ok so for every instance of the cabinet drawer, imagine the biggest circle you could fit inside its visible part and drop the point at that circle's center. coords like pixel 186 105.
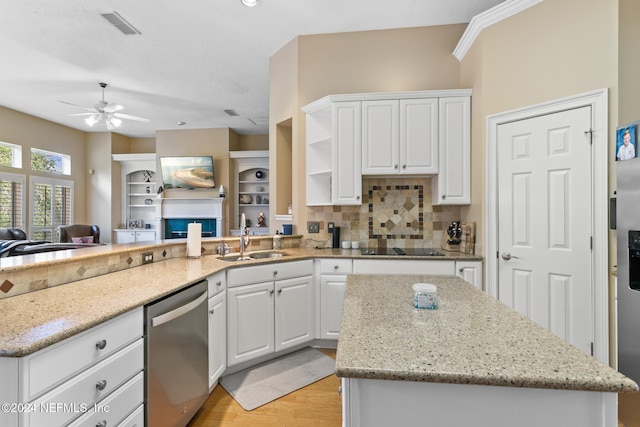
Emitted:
pixel 385 266
pixel 124 402
pixel 268 272
pixel 48 367
pixel 136 419
pixel 335 266
pixel 217 283
pixel 82 392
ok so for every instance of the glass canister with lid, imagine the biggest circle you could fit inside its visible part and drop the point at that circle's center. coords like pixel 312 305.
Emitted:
pixel 425 296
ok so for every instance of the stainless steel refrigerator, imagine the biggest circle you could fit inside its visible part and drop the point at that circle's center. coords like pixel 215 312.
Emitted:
pixel 627 226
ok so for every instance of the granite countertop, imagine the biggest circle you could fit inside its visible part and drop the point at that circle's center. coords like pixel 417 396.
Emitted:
pixel 471 338
pixel 35 320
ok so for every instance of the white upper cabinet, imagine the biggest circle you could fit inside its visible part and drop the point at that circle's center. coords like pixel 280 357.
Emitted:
pixel 452 186
pixel 334 153
pixel 400 137
pixel 385 134
pixel 380 137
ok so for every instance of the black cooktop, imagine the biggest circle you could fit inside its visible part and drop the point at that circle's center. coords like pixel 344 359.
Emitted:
pixel 402 251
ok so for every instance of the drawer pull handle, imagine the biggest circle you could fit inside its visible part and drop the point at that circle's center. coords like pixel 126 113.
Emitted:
pixel 102 423
pixel 275 273
pixel 335 267
pixel 279 291
pixel 271 292
pixel 212 311
pixel 100 345
pixel 100 385
pixel 218 283
pixel 461 270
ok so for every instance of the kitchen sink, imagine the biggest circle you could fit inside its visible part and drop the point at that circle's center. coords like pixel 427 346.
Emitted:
pixel 266 254
pixel 253 255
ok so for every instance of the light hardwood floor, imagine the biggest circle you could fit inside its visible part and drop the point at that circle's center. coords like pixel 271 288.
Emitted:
pixel 317 405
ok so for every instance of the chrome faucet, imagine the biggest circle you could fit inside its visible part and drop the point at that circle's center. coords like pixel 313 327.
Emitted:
pixel 244 235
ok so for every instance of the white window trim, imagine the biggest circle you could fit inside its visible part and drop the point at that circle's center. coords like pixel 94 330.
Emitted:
pixel 16 157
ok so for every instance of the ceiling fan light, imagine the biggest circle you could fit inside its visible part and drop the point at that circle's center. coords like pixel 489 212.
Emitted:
pixel 115 121
pixel 250 3
pixel 92 120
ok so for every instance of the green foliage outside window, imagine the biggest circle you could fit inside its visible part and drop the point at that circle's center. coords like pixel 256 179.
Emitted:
pixel 43 162
pixel 6 155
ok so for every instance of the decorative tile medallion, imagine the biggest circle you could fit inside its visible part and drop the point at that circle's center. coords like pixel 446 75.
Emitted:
pixel 6 286
pixel 398 213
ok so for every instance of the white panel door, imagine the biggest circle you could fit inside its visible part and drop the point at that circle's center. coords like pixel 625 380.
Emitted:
pixel 380 137
pixel 217 336
pixel 346 185
pixel 419 136
pixel 294 312
pixel 544 208
pixel 250 322
pixel 331 304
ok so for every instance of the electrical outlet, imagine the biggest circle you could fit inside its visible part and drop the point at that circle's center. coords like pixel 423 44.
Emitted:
pixel 330 226
pixel 147 257
pixel 313 227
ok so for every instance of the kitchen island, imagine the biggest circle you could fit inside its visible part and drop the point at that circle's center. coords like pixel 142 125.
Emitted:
pixel 472 361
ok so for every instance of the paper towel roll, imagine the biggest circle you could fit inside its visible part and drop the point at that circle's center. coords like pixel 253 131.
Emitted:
pixel 194 240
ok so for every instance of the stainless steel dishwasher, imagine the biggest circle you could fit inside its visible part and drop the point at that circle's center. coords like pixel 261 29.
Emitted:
pixel 176 357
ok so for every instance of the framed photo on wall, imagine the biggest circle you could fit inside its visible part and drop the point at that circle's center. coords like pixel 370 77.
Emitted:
pixel 626 144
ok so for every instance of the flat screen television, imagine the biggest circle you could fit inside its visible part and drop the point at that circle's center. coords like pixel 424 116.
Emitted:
pixel 189 172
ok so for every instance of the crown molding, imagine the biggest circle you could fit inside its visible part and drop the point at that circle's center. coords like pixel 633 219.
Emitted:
pixel 486 19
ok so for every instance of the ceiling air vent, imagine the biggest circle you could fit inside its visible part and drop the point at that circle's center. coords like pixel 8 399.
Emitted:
pixel 120 23
pixel 232 113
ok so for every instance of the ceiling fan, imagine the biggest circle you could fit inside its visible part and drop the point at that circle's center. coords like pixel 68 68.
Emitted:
pixel 106 112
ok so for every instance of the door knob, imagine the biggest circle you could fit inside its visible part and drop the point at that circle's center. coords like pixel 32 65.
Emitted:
pixel 507 256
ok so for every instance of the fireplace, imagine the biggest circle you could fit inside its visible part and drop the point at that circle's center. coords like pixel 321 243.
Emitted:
pixel 177 213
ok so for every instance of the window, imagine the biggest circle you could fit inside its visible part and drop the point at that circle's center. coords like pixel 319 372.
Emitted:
pixel 11 200
pixel 10 155
pixel 51 207
pixel 48 161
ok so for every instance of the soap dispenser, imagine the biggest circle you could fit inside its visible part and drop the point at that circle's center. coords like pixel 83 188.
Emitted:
pixel 277 240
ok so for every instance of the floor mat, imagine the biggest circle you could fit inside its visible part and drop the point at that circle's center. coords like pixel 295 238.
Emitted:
pixel 261 384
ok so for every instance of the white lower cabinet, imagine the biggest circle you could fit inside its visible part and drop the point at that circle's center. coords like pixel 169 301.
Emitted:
pixel 273 313
pixel 471 271
pixel 217 337
pixel 130 236
pixel 78 377
pixel 333 278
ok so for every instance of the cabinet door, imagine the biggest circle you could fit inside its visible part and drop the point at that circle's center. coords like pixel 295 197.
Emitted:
pixel 331 305
pixel 452 184
pixel 250 322
pixel 380 137
pixel 145 236
pixel 217 337
pixel 471 271
pixel 294 312
pixel 346 177
pixel 125 236
pixel 419 136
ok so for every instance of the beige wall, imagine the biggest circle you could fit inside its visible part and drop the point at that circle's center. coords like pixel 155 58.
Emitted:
pixel 200 142
pixel 32 132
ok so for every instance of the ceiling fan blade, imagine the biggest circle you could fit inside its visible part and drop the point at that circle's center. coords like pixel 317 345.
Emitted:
pixel 112 108
pixel 129 117
pixel 79 106
pixel 83 114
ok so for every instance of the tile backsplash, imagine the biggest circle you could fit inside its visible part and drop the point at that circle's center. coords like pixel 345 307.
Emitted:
pixel 395 212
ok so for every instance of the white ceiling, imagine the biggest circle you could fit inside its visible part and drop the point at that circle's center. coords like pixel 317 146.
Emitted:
pixel 193 59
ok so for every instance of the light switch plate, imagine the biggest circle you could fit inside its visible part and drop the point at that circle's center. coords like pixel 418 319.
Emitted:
pixel 313 227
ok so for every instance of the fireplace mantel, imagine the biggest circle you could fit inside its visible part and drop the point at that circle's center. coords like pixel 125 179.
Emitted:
pixel 210 207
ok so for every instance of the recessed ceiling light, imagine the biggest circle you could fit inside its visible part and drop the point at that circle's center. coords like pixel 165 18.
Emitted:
pixel 181 123
pixel 250 3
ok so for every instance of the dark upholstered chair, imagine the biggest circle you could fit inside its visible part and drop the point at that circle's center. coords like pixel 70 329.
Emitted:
pixel 67 232
pixel 12 234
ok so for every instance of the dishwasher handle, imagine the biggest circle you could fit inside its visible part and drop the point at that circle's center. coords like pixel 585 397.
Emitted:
pixel 175 313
